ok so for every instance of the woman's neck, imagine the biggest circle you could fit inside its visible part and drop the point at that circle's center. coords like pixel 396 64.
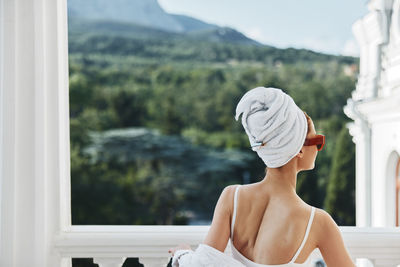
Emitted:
pixel 284 177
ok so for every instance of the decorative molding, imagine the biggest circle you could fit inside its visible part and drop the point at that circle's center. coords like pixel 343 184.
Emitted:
pixel 356 132
pixel 370 32
pixel 359 32
pixel 375 25
pixel 395 22
pixel 381 109
pixel 351 111
pixel 383 5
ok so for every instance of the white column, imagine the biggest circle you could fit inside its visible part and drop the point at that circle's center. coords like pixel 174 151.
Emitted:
pixel 361 132
pixel 34 174
pixel 362 139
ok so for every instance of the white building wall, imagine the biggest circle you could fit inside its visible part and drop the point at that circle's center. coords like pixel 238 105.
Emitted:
pixel 383 123
pixel 375 108
pixel 384 143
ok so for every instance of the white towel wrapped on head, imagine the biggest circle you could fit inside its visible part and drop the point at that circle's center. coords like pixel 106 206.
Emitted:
pixel 271 117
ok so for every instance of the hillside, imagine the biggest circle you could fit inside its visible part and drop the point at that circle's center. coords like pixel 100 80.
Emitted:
pixel 215 45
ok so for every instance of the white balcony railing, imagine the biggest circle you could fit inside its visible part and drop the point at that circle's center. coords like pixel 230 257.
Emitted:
pixel 109 246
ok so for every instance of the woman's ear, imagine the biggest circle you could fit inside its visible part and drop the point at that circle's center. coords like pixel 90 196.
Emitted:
pixel 300 154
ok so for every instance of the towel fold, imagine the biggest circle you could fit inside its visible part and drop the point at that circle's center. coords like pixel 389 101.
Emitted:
pixel 204 256
pixel 275 125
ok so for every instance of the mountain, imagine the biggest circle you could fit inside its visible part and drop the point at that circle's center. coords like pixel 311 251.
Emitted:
pixel 140 12
pixel 143 12
pixel 190 24
pixel 223 34
pixel 127 23
pixel 78 26
pixel 112 28
pixel 143 19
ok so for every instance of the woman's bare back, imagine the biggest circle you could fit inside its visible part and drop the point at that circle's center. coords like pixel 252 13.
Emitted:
pixel 271 223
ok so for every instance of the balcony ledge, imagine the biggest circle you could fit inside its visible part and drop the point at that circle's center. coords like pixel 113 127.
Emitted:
pixel 378 244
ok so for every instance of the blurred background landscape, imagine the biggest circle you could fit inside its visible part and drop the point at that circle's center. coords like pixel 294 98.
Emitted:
pixel 152 104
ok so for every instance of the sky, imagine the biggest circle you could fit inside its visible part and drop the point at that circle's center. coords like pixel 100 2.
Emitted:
pixel 319 25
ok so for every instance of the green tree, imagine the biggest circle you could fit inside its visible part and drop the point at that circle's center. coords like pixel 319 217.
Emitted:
pixel 340 199
pixel 130 108
pixel 307 187
pixel 80 93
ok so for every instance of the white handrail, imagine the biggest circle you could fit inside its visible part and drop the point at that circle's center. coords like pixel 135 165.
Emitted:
pixel 150 243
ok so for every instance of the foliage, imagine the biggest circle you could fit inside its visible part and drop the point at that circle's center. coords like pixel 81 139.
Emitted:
pixel 340 199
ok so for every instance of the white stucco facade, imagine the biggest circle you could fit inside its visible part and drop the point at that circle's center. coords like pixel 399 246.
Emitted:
pixel 375 109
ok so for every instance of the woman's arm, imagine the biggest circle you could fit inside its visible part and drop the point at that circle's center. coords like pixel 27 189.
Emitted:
pixel 330 243
pixel 220 229
pixel 211 253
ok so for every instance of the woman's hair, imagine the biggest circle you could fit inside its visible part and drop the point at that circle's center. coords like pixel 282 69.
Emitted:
pixel 309 120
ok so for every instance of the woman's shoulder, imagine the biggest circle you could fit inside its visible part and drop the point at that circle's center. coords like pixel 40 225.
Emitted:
pixel 323 219
pixel 229 190
pixel 227 195
pixel 323 223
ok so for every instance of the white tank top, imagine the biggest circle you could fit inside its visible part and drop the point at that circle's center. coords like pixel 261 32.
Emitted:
pixel 238 256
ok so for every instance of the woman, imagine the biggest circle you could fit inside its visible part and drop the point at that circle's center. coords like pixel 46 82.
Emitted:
pixel 267 223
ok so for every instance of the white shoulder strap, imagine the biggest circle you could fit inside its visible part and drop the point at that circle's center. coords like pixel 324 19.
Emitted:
pixel 306 235
pixel 234 210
